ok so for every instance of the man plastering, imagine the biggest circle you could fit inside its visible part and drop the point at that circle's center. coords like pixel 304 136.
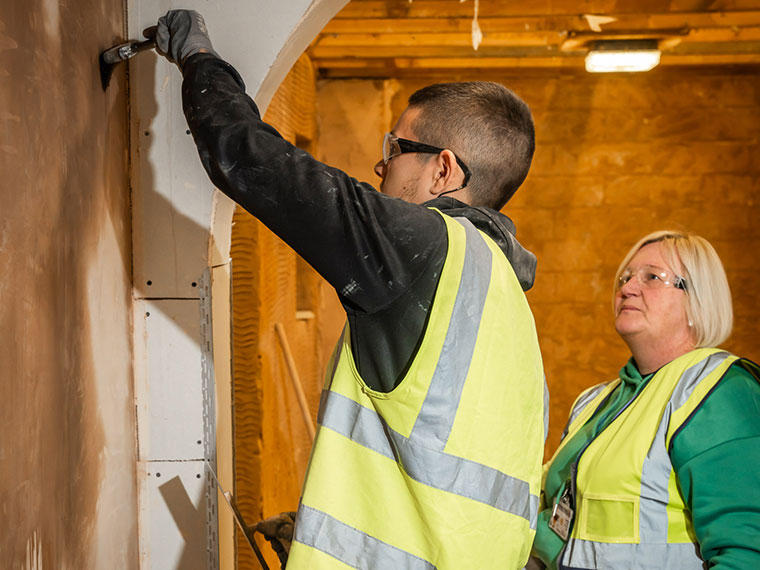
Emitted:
pixel 431 425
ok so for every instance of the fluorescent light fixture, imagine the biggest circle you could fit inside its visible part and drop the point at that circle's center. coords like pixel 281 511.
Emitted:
pixel 607 56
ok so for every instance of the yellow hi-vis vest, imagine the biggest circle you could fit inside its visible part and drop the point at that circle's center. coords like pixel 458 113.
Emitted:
pixel 444 471
pixel 629 512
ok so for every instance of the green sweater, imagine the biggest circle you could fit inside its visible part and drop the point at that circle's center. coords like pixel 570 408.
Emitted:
pixel 716 457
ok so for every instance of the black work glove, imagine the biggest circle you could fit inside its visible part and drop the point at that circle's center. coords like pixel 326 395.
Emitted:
pixel 278 530
pixel 180 34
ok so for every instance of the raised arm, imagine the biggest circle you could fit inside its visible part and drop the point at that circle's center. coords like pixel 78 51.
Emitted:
pixel 368 246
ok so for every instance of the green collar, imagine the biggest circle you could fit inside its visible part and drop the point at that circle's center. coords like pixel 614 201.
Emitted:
pixel 630 374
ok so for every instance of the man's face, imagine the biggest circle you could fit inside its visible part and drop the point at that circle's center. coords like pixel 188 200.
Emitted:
pixel 405 176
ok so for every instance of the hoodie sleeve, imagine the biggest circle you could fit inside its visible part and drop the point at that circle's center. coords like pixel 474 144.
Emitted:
pixel 369 247
pixel 716 457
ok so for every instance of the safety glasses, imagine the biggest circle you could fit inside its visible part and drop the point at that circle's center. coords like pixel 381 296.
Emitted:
pixel 652 277
pixel 393 146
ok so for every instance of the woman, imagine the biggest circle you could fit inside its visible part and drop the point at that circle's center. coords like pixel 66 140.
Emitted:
pixel 660 468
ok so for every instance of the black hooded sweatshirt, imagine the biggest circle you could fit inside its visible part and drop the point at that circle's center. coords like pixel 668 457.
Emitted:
pixel 382 255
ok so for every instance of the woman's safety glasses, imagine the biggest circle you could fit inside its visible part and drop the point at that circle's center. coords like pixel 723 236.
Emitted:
pixel 652 277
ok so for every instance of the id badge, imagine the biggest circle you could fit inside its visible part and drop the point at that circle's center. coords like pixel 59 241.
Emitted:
pixel 562 515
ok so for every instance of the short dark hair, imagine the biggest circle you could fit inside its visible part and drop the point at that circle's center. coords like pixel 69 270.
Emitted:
pixel 487 126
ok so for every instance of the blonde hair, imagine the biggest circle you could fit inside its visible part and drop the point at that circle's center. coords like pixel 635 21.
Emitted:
pixel 708 296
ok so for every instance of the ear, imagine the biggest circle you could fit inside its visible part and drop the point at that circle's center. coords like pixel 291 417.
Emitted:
pixel 447 176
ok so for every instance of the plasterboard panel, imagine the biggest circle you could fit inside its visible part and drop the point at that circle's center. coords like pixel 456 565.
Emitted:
pixel 172 215
pixel 172 195
pixel 174 513
pixel 170 389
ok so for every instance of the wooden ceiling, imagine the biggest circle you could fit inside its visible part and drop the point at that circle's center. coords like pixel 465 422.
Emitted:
pixel 389 38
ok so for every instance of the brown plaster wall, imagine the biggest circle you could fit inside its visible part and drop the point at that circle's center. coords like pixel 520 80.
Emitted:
pixel 617 156
pixel 67 453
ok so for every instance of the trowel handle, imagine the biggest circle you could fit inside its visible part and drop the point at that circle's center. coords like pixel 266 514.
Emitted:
pixel 150 32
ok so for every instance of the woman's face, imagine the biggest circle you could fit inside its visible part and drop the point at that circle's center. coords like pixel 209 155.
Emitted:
pixel 652 314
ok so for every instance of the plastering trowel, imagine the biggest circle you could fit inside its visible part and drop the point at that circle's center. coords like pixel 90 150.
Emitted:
pixel 109 58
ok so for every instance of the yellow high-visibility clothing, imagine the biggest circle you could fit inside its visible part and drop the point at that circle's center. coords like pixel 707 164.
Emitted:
pixel 443 472
pixel 629 512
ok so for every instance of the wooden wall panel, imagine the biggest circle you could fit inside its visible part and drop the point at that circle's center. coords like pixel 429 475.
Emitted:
pixel 617 156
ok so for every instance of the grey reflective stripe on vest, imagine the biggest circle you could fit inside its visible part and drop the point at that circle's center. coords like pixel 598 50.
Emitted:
pixel 421 454
pixel 653 516
pixel 351 546
pixel 653 549
pixel 436 416
pixel 359 424
pixel 587 555
pixel 430 467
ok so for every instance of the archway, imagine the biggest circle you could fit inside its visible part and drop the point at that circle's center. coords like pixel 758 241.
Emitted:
pixel 181 240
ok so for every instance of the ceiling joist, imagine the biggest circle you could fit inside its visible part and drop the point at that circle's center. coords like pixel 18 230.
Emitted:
pixel 372 38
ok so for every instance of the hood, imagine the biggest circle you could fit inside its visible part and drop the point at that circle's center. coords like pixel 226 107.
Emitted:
pixel 499 228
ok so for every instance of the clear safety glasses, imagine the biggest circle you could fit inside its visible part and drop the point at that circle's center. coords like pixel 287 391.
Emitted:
pixel 393 146
pixel 652 277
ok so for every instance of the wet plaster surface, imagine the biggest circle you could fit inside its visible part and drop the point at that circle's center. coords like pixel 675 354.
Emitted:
pixel 67 476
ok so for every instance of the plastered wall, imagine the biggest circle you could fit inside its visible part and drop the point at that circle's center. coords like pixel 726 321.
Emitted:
pixel 67 451
pixel 617 156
